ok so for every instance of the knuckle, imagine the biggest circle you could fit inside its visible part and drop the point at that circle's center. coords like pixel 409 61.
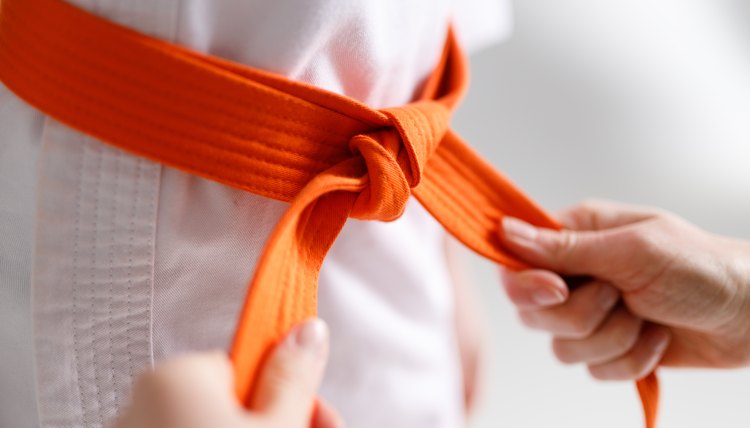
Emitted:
pixel 580 326
pixel 579 214
pixel 590 205
pixel 565 245
pixel 541 320
pixel 663 216
pixel 633 368
pixel 625 331
pixel 598 373
pixel 562 352
pixel 735 357
pixel 528 319
pixel 514 290
pixel 645 239
pixel 595 372
pixel 623 341
pixel 586 203
pixel 638 364
pixel 649 248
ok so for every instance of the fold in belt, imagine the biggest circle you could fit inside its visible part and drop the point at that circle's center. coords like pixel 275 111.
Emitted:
pixel 329 156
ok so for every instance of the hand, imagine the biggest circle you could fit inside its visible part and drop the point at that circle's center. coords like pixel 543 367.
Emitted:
pixel 197 391
pixel 663 291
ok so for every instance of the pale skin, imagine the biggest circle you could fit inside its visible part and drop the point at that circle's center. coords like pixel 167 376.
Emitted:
pixel 661 291
pixel 196 391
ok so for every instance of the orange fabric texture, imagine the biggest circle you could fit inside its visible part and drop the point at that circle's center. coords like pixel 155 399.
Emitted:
pixel 329 156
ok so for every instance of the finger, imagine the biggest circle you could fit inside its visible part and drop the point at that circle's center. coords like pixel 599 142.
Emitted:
pixel 291 375
pixel 602 214
pixel 577 318
pixel 567 251
pixel 614 338
pixel 641 360
pixel 534 288
pixel 325 416
pixel 196 390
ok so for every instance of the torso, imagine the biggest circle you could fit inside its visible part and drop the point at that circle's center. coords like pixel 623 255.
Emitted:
pixel 132 263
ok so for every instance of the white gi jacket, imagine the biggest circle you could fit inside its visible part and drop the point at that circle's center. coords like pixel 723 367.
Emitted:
pixel 109 263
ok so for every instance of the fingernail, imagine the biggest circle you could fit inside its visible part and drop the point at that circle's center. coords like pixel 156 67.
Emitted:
pixel 518 230
pixel 659 341
pixel 312 336
pixel 608 296
pixel 548 296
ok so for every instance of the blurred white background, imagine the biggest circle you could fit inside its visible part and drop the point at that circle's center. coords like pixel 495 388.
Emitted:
pixel 644 101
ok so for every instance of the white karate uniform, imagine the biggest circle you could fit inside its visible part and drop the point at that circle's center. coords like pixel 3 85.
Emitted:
pixel 109 263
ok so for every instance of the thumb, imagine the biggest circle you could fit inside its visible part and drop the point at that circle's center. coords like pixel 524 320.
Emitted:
pixel 290 377
pixel 568 252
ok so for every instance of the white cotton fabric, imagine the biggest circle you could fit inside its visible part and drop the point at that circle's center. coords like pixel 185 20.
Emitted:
pixel 109 263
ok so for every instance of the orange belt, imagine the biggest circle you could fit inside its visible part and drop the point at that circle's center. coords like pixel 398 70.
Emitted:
pixel 330 156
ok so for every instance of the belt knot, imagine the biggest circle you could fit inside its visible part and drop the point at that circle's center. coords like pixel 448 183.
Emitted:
pixel 395 157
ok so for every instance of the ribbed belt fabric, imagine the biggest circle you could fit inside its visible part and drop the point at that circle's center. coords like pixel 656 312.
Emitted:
pixel 329 156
